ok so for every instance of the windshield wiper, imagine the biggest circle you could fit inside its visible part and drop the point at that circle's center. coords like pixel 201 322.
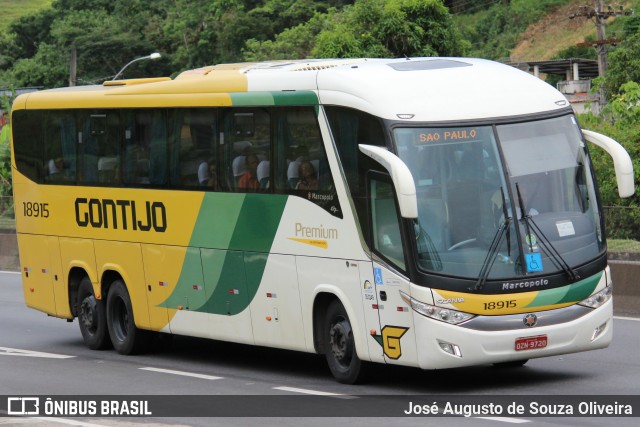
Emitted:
pixel 423 239
pixel 492 253
pixel 555 256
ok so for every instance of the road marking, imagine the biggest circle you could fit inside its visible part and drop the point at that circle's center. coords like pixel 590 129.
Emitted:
pixel 506 420
pixel 6 351
pixel 315 392
pixel 66 421
pixel 26 420
pixel 184 374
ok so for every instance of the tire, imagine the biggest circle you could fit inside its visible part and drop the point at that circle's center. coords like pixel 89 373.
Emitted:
pixel 125 336
pixel 339 346
pixel 513 364
pixel 92 317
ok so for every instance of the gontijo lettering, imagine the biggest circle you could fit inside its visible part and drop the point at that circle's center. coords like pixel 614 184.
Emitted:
pixel 125 214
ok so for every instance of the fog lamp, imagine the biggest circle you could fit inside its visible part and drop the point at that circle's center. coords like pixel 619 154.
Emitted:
pixel 452 349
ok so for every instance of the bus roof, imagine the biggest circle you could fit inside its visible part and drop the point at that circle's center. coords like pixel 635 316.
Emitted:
pixel 411 89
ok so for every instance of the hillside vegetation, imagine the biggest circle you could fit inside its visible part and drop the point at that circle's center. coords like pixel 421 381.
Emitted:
pixel 35 50
pixel 11 10
pixel 531 30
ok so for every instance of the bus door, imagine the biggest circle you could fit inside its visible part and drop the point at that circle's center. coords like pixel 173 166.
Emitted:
pixel 396 333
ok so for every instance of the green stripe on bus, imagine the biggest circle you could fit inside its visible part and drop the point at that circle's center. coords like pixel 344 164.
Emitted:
pixel 232 260
pixel 283 98
pixel 241 99
pixel 567 294
pixel 295 98
pixel 217 220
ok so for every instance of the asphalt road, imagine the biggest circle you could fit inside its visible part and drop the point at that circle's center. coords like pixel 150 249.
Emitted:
pixel 46 357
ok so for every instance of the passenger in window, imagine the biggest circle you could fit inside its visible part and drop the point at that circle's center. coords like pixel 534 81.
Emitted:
pixel 249 180
pixel 293 170
pixel 307 178
pixel 263 174
pixel 207 174
pixel 56 166
pixel 58 170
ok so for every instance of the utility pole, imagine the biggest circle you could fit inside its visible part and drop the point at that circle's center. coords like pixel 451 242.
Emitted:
pixel 600 34
pixel 599 15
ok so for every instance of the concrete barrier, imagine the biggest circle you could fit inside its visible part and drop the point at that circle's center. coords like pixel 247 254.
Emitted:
pixel 625 272
pixel 9 260
pixel 626 287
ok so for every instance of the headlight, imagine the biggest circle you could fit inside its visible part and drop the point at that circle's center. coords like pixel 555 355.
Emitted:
pixel 598 299
pixel 446 315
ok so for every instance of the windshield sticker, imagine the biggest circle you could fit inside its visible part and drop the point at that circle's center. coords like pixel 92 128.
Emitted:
pixel 534 262
pixel 531 240
pixel 377 276
pixel 565 228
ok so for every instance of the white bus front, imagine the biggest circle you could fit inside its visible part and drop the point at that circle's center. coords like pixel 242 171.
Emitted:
pixel 506 254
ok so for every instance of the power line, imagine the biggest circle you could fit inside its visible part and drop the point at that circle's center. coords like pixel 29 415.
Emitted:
pixel 476 6
pixel 599 14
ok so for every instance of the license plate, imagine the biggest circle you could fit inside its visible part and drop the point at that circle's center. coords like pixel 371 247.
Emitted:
pixel 531 343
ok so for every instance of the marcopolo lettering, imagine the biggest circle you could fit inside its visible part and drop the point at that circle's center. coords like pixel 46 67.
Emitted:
pixel 524 285
pixel 121 214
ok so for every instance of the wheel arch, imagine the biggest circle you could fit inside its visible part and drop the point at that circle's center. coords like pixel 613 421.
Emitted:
pixel 322 300
pixel 108 277
pixel 76 274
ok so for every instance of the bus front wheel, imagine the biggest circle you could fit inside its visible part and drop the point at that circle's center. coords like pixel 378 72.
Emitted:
pixel 339 345
pixel 125 336
pixel 92 317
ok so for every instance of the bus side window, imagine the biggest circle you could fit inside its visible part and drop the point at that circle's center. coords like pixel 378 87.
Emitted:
pixel 146 147
pixel 387 238
pixel 99 141
pixel 247 144
pixel 60 147
pixel 193 156
pixel 300 148
pixel 28 135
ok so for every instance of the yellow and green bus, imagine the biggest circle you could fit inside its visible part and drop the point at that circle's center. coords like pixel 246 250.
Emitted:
pixel 428 212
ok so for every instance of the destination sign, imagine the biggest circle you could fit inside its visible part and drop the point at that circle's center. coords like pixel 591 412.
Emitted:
pixel 448 135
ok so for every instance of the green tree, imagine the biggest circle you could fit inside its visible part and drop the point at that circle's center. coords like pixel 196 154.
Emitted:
pixel 624 65
pixel 293 43
pixel 390 28
pixel 6 186
pixel 621 223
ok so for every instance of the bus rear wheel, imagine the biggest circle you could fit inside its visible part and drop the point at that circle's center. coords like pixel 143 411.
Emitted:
pixel 339 345
pixel 125 336
pixel 92 317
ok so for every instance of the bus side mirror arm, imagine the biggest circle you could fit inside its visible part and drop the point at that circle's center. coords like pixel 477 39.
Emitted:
pixel 621 161
pixel 400 175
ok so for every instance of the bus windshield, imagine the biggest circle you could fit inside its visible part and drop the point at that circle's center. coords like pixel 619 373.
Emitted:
pixel 504 201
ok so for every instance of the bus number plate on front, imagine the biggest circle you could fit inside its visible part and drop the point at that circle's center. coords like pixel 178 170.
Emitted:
pixel 531 343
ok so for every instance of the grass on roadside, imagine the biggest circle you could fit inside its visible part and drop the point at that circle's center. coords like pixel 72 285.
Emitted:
pixel 9 223
pixel 623 245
